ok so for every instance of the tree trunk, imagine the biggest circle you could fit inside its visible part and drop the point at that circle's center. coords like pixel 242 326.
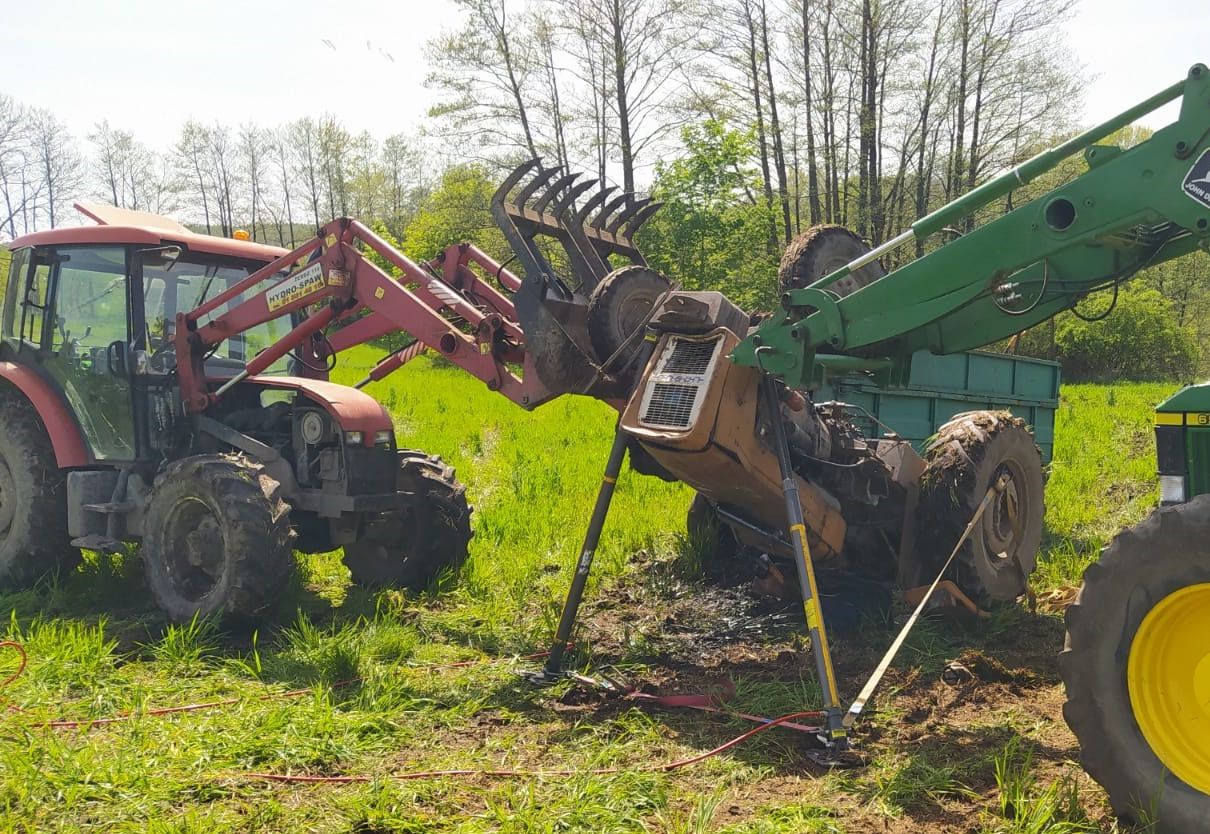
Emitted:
pixel 812 173
pixel 779 155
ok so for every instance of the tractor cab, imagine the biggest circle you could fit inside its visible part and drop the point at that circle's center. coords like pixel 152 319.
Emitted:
pixel 98 449
pixel 92 311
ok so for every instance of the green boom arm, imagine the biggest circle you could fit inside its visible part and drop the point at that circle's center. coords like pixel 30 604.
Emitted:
pixel 1130 209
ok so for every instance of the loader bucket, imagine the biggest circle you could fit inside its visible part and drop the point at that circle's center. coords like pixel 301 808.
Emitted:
pixel 535 206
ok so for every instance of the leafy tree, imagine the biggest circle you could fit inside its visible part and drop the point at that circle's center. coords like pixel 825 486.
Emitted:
pixel 1140 340
pixel 458 209
pixel 712 233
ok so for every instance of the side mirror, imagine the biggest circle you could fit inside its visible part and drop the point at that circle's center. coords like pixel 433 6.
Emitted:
pixel 117 356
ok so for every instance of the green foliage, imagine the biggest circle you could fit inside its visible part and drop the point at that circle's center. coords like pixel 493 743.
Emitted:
pixel 1027 807
pixel 712 233
pixel 457 210
pixel 1140 340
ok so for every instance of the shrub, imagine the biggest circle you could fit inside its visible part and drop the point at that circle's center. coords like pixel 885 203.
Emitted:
pixel 1139 340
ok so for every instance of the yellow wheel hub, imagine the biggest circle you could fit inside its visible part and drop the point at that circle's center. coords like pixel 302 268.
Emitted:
pixel 1169 679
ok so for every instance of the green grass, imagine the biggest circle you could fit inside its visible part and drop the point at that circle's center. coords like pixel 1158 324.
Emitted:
pixel 97 647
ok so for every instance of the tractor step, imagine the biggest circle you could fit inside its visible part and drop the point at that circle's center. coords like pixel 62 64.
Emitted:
pixel 99 543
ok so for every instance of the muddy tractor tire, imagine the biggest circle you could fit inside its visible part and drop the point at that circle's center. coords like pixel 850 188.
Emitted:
pixel 966 457
pixel 217 540
pixel 820 251
pixel 34 542
pixel 412 547
pixel 1137 670
pixel 619 306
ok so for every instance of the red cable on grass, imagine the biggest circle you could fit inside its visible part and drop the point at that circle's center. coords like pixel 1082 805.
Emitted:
pixel 530 774
pixel 698 702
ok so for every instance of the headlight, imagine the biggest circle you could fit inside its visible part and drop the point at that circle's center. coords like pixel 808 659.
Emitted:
pixel 1172 489
pixel 354 438
pixel 384 438
pixel 312 427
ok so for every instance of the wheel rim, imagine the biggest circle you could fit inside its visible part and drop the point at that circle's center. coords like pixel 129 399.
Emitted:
pixel 196 552
pixel 1168 674
pixel 633 311
pixel 1002 522
pixel 8 499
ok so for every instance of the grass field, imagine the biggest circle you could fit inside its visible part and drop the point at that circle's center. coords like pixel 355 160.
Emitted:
pixel 987 756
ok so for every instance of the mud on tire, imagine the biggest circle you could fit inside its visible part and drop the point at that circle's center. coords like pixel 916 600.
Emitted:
pixel 218 539
pixel 820 251
pixel 1143 565
pixel 33 499
pixel 964 459
pixel 412 547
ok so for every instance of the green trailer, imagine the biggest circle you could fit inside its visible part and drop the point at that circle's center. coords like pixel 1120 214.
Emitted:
pixel 941 386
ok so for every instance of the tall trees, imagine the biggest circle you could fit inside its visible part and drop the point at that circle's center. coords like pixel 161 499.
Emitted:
pixel 56 160
pixel 16 188
pixel 644 45
pixel 484 70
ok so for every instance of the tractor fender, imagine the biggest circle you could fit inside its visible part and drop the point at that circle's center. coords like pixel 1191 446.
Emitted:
pixel 65 436
pixel 351 408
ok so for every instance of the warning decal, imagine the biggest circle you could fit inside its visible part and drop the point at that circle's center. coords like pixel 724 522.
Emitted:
pixel 1197 181
pixel 299 285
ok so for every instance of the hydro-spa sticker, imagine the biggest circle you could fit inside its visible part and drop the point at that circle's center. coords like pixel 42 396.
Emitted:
pixel 299 285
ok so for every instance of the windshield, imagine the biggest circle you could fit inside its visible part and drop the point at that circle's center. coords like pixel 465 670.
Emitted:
pixel 178 287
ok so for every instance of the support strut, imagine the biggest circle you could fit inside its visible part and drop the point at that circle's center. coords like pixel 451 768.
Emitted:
pixel 592 537
pixel 836 736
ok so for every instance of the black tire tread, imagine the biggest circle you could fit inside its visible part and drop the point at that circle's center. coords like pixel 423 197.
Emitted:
pixel 38 544
pixel 257 522
pixel 954 484
pixel 1142 565
pixel 802 262
pixel 434 535
pixel 603 303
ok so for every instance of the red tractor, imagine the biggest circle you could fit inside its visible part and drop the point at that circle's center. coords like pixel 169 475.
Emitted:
pixel 99 447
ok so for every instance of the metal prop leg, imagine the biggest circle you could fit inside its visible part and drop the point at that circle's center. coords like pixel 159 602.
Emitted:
pixel 575 594
pixel 837 737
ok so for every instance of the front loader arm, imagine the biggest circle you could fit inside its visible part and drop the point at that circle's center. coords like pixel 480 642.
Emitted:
pixel 1131 209
pixel 330 276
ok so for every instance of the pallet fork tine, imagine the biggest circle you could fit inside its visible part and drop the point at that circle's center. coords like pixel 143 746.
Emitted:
pixel 540 179
pixel 594 202
pixel 555 188
pixel 609 208
pixel 631 210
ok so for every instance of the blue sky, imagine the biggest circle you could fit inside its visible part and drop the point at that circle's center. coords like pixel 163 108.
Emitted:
pixel 150 64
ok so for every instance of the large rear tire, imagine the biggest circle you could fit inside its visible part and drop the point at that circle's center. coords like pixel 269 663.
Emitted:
pixel 820 251
pixel 34 542
pixel 412 547
pixel 967 456
pixel 1137 670
pixel 217 539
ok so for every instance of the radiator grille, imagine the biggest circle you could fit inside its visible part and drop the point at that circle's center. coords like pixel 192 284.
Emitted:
pixel 678 384
pixel 670 405
pixel 689 357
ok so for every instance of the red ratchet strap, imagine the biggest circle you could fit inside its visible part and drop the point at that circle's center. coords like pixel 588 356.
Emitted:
pixel 704 703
